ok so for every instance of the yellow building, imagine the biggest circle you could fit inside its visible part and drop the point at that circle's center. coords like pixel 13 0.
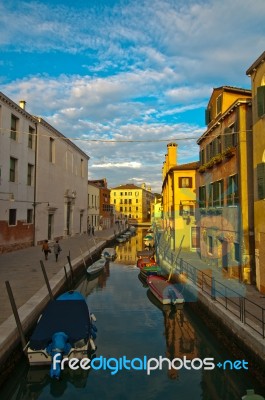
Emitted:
pixel 224 184
pixel 257 74
pixel 179 199
pixel 133 201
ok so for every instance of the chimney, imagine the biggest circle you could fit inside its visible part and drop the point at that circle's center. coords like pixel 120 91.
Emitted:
pixel 172 154
pixel 22 104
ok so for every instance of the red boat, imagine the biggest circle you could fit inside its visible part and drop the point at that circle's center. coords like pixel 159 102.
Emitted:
pixel 146 261
pixel 165 292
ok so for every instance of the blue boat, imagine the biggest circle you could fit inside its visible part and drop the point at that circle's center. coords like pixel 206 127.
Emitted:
pixel 65 330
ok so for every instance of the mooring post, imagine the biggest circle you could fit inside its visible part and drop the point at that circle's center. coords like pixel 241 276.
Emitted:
pixel 46 280
pixel 66 278
pixel 17 319
pixel 71 268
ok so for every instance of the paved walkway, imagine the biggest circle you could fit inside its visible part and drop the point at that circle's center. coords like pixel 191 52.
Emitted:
pixel 23 271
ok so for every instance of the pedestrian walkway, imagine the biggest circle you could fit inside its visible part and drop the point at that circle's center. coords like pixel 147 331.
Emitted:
pixel 23 271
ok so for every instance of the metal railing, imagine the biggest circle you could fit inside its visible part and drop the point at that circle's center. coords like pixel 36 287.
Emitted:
pixel 245 310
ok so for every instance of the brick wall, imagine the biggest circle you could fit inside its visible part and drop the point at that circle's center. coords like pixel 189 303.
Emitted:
pixel 15 237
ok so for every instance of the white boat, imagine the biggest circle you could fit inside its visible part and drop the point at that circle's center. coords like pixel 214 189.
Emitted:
pixel 96 267
pixel 121 239
pixel 109 253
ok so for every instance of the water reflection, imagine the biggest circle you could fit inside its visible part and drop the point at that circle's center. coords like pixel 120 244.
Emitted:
pixel 132 322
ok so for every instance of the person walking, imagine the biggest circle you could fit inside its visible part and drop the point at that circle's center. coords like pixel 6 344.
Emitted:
pixel 57 249
pixel 93 230
pixel 89 230
pixel 46 249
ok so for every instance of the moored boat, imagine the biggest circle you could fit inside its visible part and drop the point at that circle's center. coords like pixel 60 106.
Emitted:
pixel 109 253
pixel 165 292
pixel 96 267
pixel 64 330
pixel 154 269
pixel 145 261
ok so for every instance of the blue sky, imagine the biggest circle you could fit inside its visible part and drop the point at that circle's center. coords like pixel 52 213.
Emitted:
pixel 127 70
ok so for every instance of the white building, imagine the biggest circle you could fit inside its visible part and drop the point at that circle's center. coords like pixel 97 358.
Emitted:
pixel 17 172
pixel 61 189
pixel 93 205
pixel 46 202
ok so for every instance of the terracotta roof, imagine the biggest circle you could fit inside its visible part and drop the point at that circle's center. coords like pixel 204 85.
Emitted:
pixel 256 64
pixel 126 186
pixel 192 165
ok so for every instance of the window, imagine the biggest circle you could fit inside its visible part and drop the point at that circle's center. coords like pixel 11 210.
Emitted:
pixel 52 151
pixel 121 193
pixel 202 156
pixel 121 208
pixel 136 201
pixel 114 201
pixel 12 216
pixel 121 201
pixel 114 194
pixel 30 175
pixel 186 210
pixel 261 100
pixel 218 193
pixel 232 190
pixel 130 201
pixel 136 208
pixel 13 169
pixel 14 127
pixel 210 244
pixel 202 196
pixel 237 251
pixel 185 182
pixel 230 137
pixel 129 193
pixel 82 168
pixel 30 138
pixel 29 216
pixel 125 201
pixel 261 180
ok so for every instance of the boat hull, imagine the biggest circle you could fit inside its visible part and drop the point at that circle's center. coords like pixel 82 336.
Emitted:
pixel 164 291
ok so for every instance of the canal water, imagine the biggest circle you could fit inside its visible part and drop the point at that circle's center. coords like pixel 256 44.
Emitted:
pixel 132 324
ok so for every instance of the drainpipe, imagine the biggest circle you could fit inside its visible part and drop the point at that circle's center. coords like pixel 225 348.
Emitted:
pixel 35 185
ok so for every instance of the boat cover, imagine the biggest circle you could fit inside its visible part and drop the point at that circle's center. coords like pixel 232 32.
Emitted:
pixel 70 317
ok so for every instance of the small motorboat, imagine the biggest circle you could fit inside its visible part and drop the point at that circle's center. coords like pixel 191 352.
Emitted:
pixel 97 267
pixel 153 269
pixel 121 239
pixel 109 253
pixel 165 292
pixel 145 261
pixel 64 330
pixel 163 307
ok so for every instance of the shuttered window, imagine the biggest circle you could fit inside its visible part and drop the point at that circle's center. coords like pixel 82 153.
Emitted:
pixel 261 100
pixel 261 180
pixel 202 196
pixel 219 104
pixel 207 116
pixel 218 193
pixel 232 190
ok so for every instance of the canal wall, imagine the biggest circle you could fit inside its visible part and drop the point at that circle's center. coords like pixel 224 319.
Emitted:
pixel 239 337
pixel 10 341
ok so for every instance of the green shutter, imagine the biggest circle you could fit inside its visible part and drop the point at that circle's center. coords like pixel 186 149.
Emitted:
pixel 228 138
pixel 261 100
pixel 261 180
pixel 219 104
pixel 207 116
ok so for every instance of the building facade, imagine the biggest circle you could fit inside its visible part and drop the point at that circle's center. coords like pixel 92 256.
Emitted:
pixel 178 201
pixel 225 184
pixel 257 74
pixel 106 214
pixel 17 175
pixel 133 202
pixel 43 180
pixel 93 205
